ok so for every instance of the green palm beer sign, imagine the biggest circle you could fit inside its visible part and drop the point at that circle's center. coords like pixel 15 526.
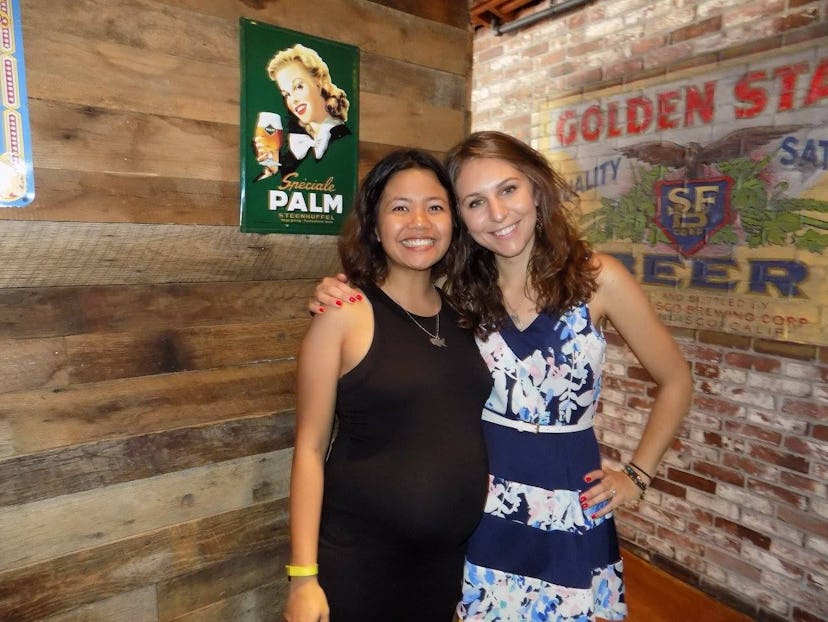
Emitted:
pixel 299 131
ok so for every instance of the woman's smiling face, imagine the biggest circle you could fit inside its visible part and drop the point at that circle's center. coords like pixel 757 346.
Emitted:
pixel 302 93
pixel 497 204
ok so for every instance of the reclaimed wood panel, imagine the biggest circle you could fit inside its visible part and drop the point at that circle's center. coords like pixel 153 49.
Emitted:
pixel 47 588
pixel 93 196
pixel 30 312
pixel 57 363
pixel 452 13
pixel 91 138
pixel 364 24
pixel 136 606
pixel 262 603
pixel 424 124
pixel 381 75
pixel 159 350
pixel 43 254
pixel 35 421
pixel 86 466
pixel 229 587
pixel 64 64
pixel 30 363
pixel 131 143
pixel 42 530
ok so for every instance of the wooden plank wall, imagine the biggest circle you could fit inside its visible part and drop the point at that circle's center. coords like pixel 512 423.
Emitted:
pixel 146 345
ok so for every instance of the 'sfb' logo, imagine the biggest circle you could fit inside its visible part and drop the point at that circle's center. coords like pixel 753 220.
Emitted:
pixel 689 212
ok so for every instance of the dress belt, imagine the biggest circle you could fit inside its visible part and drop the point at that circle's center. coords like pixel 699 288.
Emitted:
pixel 534 428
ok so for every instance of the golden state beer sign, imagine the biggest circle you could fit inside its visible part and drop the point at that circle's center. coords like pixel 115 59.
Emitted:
pixel 299 131
pixel 16 171
pixel 711 186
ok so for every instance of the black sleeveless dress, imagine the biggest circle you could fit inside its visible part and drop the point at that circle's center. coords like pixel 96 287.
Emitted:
pixel 406 477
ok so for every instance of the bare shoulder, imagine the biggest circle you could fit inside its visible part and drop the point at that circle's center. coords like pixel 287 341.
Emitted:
pixel 335 326
pixel 609 269
pixel 614 281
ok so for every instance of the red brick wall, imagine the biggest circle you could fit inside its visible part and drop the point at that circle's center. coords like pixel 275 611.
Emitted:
pixel 740 505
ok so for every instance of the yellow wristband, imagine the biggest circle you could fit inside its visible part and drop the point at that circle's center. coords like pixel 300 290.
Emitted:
pixel 302 571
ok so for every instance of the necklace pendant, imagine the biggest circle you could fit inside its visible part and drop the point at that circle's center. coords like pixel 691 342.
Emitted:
pixel 440 342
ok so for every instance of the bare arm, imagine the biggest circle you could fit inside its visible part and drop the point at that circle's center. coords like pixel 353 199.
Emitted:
pixel 621 300
pixel 317 373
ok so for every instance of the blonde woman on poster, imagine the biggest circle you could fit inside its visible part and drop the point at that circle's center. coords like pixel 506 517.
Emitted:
pixel 318 112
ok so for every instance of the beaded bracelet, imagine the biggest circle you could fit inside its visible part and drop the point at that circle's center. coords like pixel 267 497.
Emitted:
pixel 636 478
pixel 643 472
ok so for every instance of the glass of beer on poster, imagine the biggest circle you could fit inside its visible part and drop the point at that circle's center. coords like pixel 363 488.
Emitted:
pixel 267 140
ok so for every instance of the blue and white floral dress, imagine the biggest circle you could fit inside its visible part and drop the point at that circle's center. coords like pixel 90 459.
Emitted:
pixel 537 556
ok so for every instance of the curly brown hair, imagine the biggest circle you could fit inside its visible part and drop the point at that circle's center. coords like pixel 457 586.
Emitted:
pixel 360 251
pixel 560 272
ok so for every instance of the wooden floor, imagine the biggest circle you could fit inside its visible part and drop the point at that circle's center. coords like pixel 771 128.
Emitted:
pixel 655 596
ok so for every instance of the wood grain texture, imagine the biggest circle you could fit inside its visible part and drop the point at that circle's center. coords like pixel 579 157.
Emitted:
pixel 157 351
pixel 451 13
pixel 48 254
pixel 58 311
pixel 36 421
pixel 59 362
pixel 394 78
pixel 136 606
pixel 30 363
pixel 42 530
pixel 38 590
pixel 262 603
pixel 63 63
pixel 365 24
pixel 655 596
pixel 86 466
pixel 97 139
pixel 149 146
pixel 91 196
pixel 227 589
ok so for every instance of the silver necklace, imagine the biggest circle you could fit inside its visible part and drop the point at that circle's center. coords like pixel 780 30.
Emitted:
pixel 434 338
pixel 513 315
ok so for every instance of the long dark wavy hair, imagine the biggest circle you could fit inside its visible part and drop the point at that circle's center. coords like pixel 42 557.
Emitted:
pixel 560 271
pixel 360 251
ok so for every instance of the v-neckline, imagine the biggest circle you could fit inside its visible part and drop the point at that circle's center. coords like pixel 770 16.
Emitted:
pixel 527 327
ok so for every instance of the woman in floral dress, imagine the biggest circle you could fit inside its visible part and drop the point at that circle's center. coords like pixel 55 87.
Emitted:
pixel 537 297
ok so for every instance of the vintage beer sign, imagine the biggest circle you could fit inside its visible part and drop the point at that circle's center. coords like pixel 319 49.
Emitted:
pixel 712 188
pixel 16 171
pixel 299 131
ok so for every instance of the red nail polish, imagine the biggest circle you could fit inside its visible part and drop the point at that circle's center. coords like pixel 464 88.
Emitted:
pixel 581 499
pixel 594 516
pixel 584 506
pixel 359 296
pixel 338 303
pixel 321 309
pixel 351 299
pixel 587 479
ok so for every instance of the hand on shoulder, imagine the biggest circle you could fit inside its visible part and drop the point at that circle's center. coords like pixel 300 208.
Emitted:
pixel 333 292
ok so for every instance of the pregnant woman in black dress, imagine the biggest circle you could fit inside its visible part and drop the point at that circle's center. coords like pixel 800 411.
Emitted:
pixel 386 516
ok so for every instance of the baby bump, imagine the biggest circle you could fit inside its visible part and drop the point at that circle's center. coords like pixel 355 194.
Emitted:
pixel 429 494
